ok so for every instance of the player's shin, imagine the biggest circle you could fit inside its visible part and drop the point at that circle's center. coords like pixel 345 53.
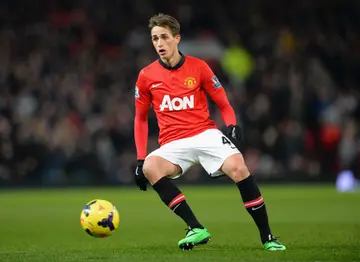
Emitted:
pixel 175 200
pixel 255 205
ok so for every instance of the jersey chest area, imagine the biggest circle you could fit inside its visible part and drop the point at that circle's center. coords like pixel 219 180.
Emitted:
pixel 175 80
pixel 175 91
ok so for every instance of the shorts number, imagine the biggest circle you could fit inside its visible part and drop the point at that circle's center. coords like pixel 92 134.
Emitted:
pixel 225 141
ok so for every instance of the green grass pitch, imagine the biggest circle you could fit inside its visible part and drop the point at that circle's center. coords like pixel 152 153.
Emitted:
pixel 315 222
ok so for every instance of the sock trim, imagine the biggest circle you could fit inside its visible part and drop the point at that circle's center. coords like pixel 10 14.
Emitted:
pixel 255 202
pixel 179 198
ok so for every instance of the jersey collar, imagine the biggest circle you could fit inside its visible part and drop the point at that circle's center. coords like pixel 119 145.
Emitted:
pixel 177 66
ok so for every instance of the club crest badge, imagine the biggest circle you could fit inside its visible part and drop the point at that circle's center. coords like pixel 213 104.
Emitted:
pixel 190 82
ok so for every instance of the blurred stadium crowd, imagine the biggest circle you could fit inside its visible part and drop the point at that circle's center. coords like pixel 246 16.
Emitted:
pixel 68 70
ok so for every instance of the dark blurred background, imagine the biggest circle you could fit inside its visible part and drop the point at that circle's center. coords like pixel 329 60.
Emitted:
pixel 68 71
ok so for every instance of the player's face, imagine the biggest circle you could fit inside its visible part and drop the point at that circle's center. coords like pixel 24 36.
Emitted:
pixel 166 45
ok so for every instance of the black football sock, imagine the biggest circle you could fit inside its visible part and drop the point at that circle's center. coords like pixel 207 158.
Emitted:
pixel 175 200
pixel 255 205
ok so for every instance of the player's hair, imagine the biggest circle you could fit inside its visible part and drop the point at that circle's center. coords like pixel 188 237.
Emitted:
pixel 163 20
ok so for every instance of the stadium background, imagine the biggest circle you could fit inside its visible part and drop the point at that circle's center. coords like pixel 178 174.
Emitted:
pixel 67 76
pixel 68 70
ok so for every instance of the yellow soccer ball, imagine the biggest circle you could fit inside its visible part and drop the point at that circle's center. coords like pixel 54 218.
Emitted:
pixel 99 218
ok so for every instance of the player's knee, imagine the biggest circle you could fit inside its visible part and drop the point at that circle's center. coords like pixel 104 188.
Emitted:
pixel 156 167
pixel 238 172
pixel 235 168
pixel 151 169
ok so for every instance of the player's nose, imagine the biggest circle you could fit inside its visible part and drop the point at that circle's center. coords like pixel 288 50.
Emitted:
pixel 159 43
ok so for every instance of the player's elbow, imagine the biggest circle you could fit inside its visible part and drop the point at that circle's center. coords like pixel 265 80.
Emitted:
pixel 225 105
pixel 141 116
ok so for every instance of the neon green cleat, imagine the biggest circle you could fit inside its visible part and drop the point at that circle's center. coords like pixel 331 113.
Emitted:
pixel 194 237
pixel 273 244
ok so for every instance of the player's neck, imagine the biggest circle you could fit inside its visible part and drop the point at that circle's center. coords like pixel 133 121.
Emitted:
pixel 173 61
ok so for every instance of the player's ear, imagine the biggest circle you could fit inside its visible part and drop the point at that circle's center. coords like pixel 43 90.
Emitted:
pixel 178 37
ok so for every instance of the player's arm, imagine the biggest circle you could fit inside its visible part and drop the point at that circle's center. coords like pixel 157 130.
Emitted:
pixel 217 93
pixel 142 104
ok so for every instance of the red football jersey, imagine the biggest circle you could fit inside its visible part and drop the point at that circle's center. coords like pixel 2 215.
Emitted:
pixel 178 97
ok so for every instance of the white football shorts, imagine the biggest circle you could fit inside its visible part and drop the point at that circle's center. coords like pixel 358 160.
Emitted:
pixel 209 148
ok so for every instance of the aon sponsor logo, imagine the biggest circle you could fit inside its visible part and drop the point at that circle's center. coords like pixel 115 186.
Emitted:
pixel 177 103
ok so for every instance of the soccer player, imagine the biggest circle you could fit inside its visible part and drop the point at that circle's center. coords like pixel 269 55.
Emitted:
pixel 176 86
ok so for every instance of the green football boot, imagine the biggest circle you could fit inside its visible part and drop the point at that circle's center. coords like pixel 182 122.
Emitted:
pixel 194 237
pixel 273 244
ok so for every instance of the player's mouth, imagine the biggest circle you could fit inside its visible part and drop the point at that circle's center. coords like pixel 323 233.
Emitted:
pixel 162 52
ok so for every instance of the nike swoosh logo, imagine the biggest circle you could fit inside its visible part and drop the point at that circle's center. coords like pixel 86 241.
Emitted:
pixel 256 208
pixel 176 207
pixel 155 85
pixel 137 171
pixel 233 133
pixel 191 234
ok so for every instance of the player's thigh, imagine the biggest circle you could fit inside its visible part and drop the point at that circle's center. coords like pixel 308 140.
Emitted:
pixel 213 149
pixel 179 153
pixel 156 167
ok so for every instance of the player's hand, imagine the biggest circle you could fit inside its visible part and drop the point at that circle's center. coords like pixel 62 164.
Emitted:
pixel 235 134
pixel 140 179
